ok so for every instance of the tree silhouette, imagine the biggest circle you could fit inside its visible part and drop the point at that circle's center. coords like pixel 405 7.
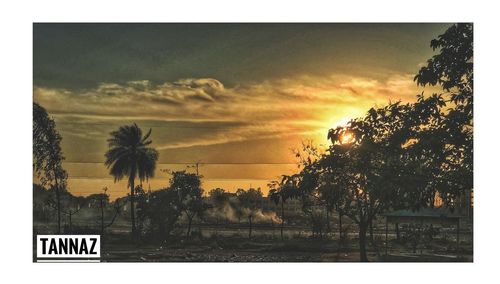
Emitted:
pixel 188 188
pixel 249 199
pixel 401 154
pixel 452 70
pixel 48 156
pixel 219 199
pixel 130 156
pixel 72 205
pixel 373 172
pixel 160 210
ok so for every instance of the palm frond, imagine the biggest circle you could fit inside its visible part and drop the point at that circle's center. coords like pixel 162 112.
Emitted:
pixel 128 154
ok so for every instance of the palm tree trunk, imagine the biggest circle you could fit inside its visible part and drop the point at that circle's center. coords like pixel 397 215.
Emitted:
pixel 132 208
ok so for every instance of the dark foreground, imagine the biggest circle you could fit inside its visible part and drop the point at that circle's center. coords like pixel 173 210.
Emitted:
pixel 228 244
pixel 220 249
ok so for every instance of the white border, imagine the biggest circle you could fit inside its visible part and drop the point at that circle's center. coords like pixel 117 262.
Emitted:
pixel 16 93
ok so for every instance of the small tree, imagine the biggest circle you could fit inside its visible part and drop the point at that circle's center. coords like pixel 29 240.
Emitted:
pixel 48 156
pixel 187 187
pixel 158 211
pixel 250 199
pixel 72 206
pixel 219 199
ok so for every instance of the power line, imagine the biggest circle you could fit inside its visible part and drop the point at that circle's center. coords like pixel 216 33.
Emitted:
pixel 193 163
pixel 166 178
pixel 158 126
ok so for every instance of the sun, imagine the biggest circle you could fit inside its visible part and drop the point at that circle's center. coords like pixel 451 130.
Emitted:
pixel 346 138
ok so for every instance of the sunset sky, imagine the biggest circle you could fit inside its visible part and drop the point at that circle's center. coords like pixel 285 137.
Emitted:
pixel 235 97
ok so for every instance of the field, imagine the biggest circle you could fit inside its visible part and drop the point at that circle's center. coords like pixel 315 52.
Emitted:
pixel 230 243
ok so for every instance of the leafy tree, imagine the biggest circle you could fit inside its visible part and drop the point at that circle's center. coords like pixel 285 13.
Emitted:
pixel 130 156
pixel 219 199
pixel 452 67
pixel 399 155
pixel 250 199
pixel 158 211
pixel 381 166
pixel 48 156
pixel 162 209
pixel 373 172
pixel 452 70
pixel 190 195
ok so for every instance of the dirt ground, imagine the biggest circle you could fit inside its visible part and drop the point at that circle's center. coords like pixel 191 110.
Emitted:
pixel 234 249
pixel 228 244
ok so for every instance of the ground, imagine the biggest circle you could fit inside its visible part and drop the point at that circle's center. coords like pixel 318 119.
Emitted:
pixel 266 249
pixel 232 244
pixel 233 250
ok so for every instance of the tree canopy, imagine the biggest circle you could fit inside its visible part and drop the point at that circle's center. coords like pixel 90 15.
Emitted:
pixel 47 152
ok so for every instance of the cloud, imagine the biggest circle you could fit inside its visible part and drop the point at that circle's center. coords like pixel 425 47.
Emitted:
pixel 202 111
pixel 132 98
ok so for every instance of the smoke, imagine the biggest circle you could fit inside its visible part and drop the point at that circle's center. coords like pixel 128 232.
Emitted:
pixel 235 214
pixel 260 216
pixel 227 212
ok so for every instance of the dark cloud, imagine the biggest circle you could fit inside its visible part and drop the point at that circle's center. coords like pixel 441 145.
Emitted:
pixel 76 56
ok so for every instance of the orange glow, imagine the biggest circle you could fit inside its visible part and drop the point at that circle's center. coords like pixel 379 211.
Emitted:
pixel 346 138
pixel 343 122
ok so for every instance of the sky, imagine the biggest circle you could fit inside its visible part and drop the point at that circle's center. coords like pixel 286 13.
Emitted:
pixel 237 98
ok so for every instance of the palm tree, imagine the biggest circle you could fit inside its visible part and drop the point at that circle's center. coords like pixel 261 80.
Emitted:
pixel 129 156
